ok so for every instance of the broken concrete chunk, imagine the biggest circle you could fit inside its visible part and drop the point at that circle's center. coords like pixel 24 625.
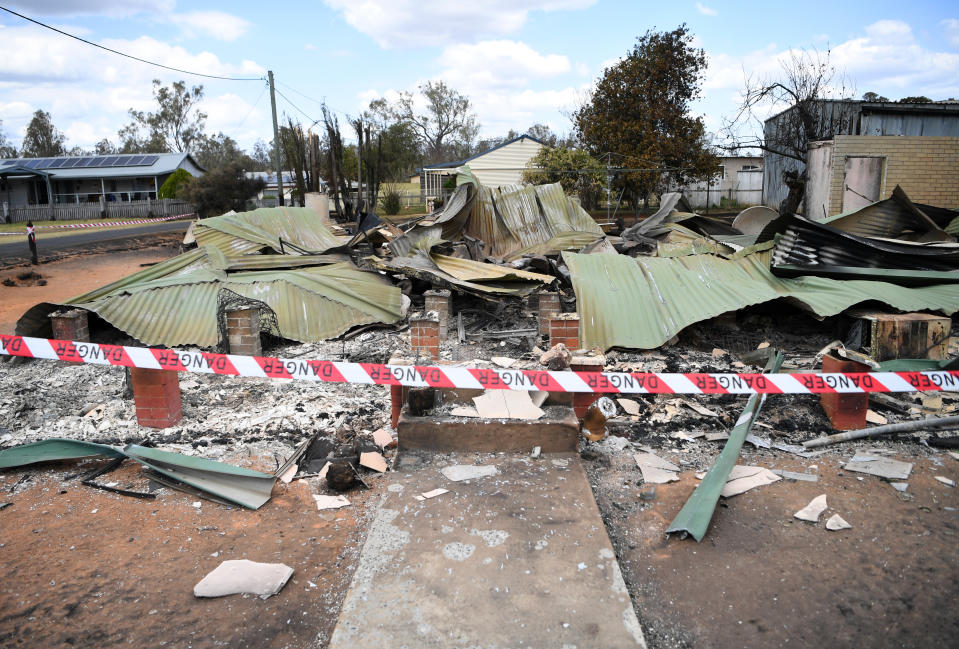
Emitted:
pixel 557 358
pixel 629 406
pixel 655 469
pixel 503 361
pixel 459 472
pixel 242 576
pixel 879 466
pixel 946 481
pixel 537 450
pixel 836 522
pixel 507 404
pixel 813 510
pixel 373 460
pixel 330 502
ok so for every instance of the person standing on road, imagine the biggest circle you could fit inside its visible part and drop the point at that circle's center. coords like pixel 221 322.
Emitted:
pixel 32 240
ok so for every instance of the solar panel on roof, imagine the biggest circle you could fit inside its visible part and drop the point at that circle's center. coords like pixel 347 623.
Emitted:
pixel 85 162
pixel 135 160
pixel 71 162
pixel 57 163
pixel 110 161
pixel 31 164
pixel 150 159
pixel 97 162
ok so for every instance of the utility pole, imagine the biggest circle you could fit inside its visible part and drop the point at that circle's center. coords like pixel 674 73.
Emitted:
pixel 276 143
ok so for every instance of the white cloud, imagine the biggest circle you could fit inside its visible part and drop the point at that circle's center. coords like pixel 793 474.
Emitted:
pixel 498 64
pixel 951 25
pixel 88 91
pixel 218 24
pixel 401 23
pixel 704 10
pixel 112 8
pixel 309 47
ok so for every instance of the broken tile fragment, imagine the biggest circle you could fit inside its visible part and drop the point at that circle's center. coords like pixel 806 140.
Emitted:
pixel 383 438
pixel 434 493
pixel 503 361
pixel 946 481
pixel 464 411
pixel 629 406
pixel 242 576
pixel 883 467
pixel 900 486
pixel 743 478
pixel 836 522
pixel 289 474
pixel 373 460
pixel 813 510
pixel 330 502
pixel 655 469
pixel 507 404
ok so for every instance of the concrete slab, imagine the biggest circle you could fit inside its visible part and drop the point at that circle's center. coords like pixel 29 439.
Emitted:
pixel 516 559
pixel 556 432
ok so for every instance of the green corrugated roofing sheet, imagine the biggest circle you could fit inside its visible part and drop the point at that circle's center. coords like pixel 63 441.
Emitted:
pixel 643 302
pixel 267 226
pixel 310 303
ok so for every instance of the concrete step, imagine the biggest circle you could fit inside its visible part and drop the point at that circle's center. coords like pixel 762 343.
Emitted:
pixel 516 559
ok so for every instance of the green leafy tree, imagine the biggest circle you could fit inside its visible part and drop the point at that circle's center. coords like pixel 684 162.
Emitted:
pixel 7 150
pixel 176 125
pixel 872 96
pixel 42 139
pixel 639 112
pixel 262 156
pixel 173 184
pixel 105 147
pixel 921 99
pixel 447 127
pixel 578 172
pixel 220 191
pixel 215 151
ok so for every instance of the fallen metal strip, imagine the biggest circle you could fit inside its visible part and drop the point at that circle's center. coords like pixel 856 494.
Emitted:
pixel 694 517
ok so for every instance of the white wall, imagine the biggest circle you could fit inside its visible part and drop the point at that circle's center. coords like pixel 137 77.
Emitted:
pixel 505 165
pixel 818 179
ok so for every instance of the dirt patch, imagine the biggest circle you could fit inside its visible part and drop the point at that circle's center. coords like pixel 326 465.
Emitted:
pixel 69 277
pixel 762 578
pixel 85 568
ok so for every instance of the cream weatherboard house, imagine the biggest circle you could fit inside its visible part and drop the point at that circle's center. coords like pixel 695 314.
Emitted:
pixel 501 165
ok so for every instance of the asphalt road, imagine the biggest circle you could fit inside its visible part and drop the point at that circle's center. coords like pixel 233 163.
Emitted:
pixel 15 248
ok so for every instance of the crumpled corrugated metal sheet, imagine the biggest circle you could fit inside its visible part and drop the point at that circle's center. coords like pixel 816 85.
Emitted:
pixel 642 302
pixel 510 220
pixel 808 247
pixel 896 217
pixel 310 304
pixel 268 227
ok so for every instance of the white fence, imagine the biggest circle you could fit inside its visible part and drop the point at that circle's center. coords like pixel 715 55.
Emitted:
pixel 92 211
pixel 745 190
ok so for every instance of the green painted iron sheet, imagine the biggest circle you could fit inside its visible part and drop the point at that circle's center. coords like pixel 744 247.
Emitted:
pixel 694 517
pixel 643 302
pixel 267 226
pixel 50 450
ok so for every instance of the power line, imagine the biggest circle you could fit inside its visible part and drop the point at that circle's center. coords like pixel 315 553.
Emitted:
pixel 316 101
pixel 262 92
pixel 301 111
pixel 129 56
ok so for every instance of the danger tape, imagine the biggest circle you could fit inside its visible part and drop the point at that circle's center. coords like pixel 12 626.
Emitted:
pixel 105 224
pixel 475 378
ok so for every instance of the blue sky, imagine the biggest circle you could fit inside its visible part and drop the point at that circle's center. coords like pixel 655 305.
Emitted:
pixel 520 61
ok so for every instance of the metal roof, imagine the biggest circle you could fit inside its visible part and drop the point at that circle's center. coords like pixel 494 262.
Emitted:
pixel 275 227
pixel 109 166
pixel 460 163
pixel 643 302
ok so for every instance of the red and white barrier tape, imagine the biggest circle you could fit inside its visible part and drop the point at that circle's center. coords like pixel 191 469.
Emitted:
pixel 462 377
pixel 103 224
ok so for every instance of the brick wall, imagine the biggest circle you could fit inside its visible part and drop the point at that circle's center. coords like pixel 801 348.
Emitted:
pixel 243 332
pixel 425 336
pixel 927 168
pixel 156 394
pixel 564 328
pixel 70 325
pixel 548 307
pixel 440 301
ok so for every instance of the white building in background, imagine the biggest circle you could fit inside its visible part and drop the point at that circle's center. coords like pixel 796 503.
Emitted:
pixel 501 165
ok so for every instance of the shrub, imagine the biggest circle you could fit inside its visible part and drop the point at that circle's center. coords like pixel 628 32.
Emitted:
pixel 172 185
pixel 390 200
